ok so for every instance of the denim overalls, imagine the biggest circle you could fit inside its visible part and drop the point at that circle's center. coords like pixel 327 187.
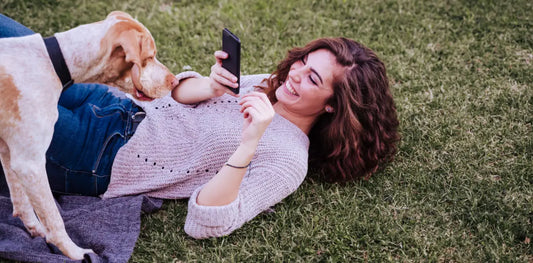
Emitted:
pixel 93 124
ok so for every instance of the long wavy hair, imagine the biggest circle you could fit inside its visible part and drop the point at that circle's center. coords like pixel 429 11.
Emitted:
pixel 361 134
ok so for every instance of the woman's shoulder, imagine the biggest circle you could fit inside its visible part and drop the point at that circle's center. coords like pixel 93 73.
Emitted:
pixel 283 157
pixel 285 142
pixel 250 82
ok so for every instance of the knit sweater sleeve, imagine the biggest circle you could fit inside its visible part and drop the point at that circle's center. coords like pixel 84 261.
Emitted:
pixel 262 188
pixel 276 171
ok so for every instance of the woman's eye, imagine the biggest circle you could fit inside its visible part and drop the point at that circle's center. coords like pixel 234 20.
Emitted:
pixel 312 80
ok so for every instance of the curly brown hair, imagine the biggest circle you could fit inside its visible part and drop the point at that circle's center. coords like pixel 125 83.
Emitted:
pixel 362 133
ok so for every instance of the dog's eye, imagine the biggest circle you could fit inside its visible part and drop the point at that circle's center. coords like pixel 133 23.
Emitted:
pixel 148 59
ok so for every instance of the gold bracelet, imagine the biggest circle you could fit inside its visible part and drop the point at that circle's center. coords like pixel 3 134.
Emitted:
pixel 238 167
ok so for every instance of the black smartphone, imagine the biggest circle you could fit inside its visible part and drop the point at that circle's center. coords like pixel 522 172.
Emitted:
pixel 231 44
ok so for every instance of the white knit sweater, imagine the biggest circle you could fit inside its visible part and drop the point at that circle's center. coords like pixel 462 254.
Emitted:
pixel 178 148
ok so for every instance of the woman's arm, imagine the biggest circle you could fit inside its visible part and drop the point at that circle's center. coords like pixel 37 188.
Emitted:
pixel 267 183
pixel 193 90
pixel 223 188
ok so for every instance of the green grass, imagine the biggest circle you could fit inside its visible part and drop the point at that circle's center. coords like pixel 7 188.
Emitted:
pixel 461 188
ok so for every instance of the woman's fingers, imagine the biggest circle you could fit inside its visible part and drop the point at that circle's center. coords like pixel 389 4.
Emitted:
pixel 258 114
pixel 258 106
pixel 221 80
pixel 259 95
pixel 259 98
pixel 249 111
pixel 220 55
pixel 220 74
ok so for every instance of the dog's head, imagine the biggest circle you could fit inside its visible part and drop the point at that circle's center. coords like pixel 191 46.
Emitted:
pixel 132 66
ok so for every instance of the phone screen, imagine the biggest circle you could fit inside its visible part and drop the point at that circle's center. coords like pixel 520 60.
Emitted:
pixel 231 44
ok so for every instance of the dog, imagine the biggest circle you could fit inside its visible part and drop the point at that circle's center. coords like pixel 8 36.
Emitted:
pixel 118 51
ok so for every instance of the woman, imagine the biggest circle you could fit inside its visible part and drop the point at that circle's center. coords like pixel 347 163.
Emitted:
pixel 327 104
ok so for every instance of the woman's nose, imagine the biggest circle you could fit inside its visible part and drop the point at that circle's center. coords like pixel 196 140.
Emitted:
pixel 296 74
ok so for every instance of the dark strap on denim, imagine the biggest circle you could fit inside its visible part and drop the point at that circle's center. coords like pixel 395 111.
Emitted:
pixel 136 120
pixel 137 115
pixel 60 66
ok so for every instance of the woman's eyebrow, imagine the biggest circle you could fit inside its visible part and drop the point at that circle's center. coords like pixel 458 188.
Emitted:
pixel 314 71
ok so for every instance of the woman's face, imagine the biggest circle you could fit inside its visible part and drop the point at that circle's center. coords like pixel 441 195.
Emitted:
pixel 309 84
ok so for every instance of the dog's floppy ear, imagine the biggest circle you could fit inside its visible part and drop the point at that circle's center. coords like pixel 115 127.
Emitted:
pixel 129 38
pixel 119 15
pixel 130 42
pixel 127 45
pixel 137 46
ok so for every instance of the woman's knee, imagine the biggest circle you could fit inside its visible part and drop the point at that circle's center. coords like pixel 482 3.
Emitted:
pixel 12 28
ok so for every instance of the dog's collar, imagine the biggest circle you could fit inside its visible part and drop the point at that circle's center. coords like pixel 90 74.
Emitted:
pixel 60 66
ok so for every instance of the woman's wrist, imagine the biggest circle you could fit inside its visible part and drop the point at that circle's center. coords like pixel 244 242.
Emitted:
pixel 238 167
pixel 212 88
pixel 216 89
pixel 242 155
pixel 223 188
pixel 249 146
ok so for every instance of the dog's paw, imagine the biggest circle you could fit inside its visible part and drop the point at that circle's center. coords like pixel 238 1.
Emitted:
pixel 77 253
pixel 69 248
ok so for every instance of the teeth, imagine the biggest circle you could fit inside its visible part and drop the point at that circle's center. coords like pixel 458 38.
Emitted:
pixel 289 88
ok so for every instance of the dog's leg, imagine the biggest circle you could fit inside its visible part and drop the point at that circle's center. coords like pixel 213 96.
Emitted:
pixel 21 205
pixel 28 164
pixel 41 199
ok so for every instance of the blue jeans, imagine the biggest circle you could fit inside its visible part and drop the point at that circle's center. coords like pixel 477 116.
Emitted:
pixel 93 124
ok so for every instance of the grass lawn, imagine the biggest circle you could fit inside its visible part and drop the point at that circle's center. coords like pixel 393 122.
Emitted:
pixel 461 188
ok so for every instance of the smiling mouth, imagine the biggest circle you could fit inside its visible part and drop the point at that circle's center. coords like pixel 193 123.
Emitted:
pixel 141 96
pixel 290 89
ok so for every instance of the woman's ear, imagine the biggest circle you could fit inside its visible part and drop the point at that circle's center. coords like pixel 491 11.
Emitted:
pixel 329 109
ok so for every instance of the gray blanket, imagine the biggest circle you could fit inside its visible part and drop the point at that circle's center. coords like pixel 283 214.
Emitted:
pixel 109 227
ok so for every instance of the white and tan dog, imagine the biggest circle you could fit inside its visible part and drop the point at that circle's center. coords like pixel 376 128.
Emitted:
pixel 118 51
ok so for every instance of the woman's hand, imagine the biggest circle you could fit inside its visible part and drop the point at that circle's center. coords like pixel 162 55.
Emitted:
pixel 223 188
pixel 194 90
pixel 220 77
pixel 258 114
